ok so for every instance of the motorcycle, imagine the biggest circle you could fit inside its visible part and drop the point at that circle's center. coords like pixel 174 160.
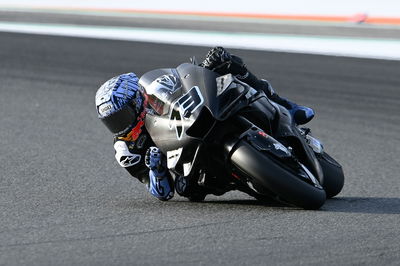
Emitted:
pixel 220 133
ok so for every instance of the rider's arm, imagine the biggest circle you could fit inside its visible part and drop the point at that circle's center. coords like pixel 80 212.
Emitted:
pixel 131 155
pixel 221 61
pixel 145 162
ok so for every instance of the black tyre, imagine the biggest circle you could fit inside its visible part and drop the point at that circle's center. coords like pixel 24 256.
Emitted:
pixel 333 175
pixel 197 197
pixel 266 173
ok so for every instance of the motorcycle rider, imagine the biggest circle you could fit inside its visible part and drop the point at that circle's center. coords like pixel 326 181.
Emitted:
pixel 122 107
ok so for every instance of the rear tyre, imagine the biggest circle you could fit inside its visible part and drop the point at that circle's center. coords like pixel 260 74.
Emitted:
pixel 333 175
pixel 265 172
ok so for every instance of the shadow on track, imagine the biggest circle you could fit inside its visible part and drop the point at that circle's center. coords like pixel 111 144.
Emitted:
pixel 342 204
pixel 249 202
pixel 373 205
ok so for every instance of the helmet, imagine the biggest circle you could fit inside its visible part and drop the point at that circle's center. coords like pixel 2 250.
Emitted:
pixel 119 102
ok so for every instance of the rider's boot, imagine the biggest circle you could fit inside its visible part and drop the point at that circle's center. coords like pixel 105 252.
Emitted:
pixel 301 114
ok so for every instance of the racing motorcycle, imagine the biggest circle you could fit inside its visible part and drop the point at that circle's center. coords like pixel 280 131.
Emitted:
pixel 222 134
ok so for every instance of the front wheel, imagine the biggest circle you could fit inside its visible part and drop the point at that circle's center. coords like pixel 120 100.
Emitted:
pixel 333 175
pixel 266 173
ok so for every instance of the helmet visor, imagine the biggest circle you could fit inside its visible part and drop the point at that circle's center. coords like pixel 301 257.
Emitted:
pixel 121 121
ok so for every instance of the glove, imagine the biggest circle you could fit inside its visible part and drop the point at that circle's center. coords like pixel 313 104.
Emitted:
pixel 217 56
pixel 221 61
pixel 154 160
pixel 161 184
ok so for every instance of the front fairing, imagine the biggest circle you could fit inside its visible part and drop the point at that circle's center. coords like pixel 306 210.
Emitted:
pixel 206 88
pixel 178 98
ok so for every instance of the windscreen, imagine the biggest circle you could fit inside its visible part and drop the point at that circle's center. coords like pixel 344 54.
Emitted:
pixel 230 93
pixel 161 92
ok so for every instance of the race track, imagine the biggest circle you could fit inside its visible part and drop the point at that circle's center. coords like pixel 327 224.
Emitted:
pixel 65 201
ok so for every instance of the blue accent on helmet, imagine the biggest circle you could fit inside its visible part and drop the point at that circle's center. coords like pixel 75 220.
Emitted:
pixel 124 90
pixel 117 92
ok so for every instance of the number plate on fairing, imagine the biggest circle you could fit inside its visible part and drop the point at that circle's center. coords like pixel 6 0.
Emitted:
pixel 183 109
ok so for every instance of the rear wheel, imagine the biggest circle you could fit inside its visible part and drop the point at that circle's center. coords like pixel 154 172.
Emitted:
pixel 333 175
pixel 267 173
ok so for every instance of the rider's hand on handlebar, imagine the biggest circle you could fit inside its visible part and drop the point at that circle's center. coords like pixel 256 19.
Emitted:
pixel 221 61
pixel 216 57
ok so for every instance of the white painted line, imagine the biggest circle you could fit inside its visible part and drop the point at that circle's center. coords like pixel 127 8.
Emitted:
pixel 337 46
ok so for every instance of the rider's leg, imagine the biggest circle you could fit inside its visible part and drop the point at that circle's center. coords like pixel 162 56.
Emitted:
pixel 301 114
pixel 221 61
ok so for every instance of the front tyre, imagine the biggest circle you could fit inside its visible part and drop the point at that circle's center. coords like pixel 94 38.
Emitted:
pixel 333 175
pixel 266 173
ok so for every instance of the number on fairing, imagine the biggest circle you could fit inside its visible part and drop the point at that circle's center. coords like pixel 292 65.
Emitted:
pixel 184 108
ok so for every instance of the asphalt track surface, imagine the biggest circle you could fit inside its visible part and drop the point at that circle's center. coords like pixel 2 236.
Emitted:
pixel 65 201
